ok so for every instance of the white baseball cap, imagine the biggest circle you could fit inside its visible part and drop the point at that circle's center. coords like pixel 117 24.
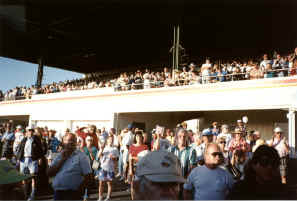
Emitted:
pixel 160 166
pixel 278 130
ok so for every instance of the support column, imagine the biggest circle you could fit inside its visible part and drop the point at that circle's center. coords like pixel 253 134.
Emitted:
pixel 40 72
pixel 291 134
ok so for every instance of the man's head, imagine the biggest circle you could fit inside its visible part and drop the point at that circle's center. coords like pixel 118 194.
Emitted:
pixel 212 155
pixel 265 164
pixel 69 141
pixel 29 131
pixel 182 136
pixel 257 135
pixel 265 56
pixel 207 136
pixel 89 141
pixel 51 133
pixel 278 132
pixel 158 175
pixel 19 128
pixel 225 129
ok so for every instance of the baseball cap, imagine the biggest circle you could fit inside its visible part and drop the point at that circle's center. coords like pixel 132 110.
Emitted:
pixel 30 127
pixel 130 126
pixel 9 175
pixel 19 127
pixel 278 130
pixel 206 132
pixel 160 166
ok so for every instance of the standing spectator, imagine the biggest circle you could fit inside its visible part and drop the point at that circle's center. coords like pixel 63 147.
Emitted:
pixel 29 155
pixel 92 133
pixel 161 143
pixel 126 143
pixel 209 182
pixel 257 135
pixel 19 135
pixel 205 70
pixel 71 171
pixel 158 177
pixel 53 145
pixel 107 157
pixel 238 142
pixel 238 161
pixel 262 179
pixel 196 145
pixel 222 144
pixel 293 61
pixel 184 152
pixel 90 150
pixel 134 150
pixel 7 142
pixel 225 133
pixel 256 72
pixel 279 142
pixel 264 62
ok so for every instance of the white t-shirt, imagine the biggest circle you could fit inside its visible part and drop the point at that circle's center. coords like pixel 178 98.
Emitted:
pixel 280 147
pixel 106 161
pixel 19 136
pixel 206 71
pixel 209 184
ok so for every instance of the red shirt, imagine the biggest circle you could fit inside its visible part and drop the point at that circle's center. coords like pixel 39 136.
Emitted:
pixel 134 150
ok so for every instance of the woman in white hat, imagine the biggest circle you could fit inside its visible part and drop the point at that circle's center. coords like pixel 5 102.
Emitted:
pixel 280 143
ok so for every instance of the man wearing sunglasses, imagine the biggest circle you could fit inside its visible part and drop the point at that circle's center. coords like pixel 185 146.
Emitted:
pixel 209 182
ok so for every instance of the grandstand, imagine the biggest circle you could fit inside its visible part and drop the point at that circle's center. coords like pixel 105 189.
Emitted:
pixel 117 37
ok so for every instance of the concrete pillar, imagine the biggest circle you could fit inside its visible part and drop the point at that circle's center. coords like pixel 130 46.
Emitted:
pixel 291 134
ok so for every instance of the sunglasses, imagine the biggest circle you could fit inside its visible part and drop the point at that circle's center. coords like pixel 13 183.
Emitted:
pixel 222 142
pixel 214 154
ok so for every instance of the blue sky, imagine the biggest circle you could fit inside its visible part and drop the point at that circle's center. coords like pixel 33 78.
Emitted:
pixel 17 73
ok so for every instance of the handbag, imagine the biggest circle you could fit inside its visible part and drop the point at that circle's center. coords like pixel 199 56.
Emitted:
pixel 95 165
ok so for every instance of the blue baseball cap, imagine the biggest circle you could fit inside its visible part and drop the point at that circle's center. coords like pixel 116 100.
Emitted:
pixel 207 132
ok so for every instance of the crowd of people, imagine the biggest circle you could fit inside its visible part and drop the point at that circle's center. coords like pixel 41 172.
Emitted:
pixel 208 72
pixel 168 164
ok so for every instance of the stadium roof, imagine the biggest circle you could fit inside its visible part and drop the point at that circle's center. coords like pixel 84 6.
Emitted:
pixel 106 35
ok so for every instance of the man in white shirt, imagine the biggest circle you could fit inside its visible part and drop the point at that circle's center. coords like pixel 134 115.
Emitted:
pixel 209 182
pixel 265 62
pixel 19 135
pixel 126 142
pixel 205 71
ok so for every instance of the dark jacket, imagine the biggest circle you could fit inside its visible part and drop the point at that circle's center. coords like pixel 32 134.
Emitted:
pixel 37 150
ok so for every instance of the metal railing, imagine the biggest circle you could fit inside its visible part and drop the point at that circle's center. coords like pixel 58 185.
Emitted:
pixel 143 84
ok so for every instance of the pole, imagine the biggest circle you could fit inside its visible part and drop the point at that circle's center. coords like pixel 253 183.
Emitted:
pixel 173 49
pixel 40 71
pixel 177 48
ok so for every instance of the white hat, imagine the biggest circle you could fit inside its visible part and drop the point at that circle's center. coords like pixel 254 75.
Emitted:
pixel 30 127
pixel 19 127
pixel 239 121
pixel 160 166
pixel 278 130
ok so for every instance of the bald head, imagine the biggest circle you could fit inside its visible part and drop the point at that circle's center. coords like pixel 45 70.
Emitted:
pixel 212 155
pixel 70 141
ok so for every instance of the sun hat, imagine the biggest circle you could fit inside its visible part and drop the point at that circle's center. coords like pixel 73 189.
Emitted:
pixel 160 166
pixel 9 175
